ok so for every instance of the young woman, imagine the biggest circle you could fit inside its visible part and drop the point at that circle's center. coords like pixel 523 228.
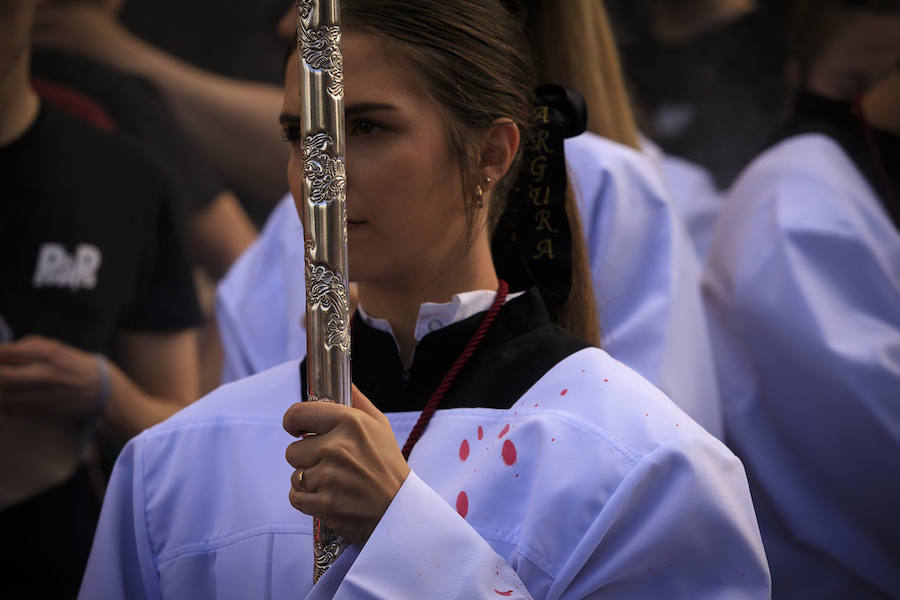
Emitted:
pixel 644 272
pixel 550 470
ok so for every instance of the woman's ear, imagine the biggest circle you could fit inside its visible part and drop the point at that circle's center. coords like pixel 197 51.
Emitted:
pixel 500 146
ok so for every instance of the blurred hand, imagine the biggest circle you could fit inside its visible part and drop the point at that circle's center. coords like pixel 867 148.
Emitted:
pixel 352 466
pixel 40 377
pixel 89 29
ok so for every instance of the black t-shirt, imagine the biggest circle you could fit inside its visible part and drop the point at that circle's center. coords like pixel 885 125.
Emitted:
pixel 139 111
pixel 90 241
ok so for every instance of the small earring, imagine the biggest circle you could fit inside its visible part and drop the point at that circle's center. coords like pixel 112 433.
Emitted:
pixel 488 181
pixel 479 197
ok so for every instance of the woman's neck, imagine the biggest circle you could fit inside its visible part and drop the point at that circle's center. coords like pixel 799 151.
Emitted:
pixel 398 301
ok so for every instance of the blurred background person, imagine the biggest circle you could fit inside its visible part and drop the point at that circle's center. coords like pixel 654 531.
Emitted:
pixel 98 313
pixel 706 77
pixel 803 287
pixel 225 96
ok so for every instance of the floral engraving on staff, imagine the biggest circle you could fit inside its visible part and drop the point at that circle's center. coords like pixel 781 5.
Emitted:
pixel 321 50
pixel 327 291
pixel 326 175
pixel 327 549
pixel 304 9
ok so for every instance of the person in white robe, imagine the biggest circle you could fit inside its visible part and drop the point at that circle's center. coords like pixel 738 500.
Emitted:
pixel 695 194
pixel 803 289
pixel 549 469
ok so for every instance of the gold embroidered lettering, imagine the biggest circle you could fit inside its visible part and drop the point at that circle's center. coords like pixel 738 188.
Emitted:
pixel 540 142
pixel 540 196
pixel 544 248
pixel 538 167
pixel 542 218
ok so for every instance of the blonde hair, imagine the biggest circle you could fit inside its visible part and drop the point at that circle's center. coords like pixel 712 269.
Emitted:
pixel 574 46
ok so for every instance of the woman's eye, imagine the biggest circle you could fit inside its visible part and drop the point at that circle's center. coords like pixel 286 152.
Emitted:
pixel 364 127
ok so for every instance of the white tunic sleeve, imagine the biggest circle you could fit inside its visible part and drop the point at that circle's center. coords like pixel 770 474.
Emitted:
pixel 650 520
pixel 646 275
pixel 804 286
pixel 121 564
pixel 669 531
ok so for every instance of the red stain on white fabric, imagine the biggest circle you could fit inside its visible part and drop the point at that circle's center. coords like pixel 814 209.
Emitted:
pixel 480 432
pixel 508 453
pixel 506 593
pixel 503 431
pixel 462 504
pixel 564 392
pixel 464 450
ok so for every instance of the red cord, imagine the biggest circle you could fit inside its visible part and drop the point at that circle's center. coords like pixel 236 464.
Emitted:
pixel 441 391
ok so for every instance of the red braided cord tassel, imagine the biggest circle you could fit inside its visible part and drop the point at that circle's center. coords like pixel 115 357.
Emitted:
pixel 438 395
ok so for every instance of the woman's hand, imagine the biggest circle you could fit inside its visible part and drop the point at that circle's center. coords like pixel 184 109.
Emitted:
pixel 350 463
pixel 41 377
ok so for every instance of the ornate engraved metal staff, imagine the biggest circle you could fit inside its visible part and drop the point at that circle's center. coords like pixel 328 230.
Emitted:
pixel 324 196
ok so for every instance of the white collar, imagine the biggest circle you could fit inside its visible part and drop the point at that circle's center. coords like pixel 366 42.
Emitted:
pixel 436 315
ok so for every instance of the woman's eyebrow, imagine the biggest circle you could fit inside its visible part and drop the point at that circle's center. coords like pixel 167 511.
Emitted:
pixel 355 109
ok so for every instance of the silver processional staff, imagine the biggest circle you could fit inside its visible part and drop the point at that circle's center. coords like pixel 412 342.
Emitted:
pixel 323 187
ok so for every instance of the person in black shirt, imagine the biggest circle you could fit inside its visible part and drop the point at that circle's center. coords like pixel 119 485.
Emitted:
pixel 94 266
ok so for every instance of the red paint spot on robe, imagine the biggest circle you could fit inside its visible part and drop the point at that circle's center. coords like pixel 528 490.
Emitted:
pixel 480 432
pixel 464 450
pixel 552 439
pixel 677 425
pixel 506 593
pixel 535 404
pixel 564 392
pixel 462 504
pixel 509 453
pixel 606 381
pixel 503 431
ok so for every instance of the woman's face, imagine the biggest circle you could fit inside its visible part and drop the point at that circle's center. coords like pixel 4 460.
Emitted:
pixel 405 208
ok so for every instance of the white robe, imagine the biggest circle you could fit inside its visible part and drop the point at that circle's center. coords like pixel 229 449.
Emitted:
pixel 645 271
pixel 803 286
pixel 695 194
pixel 592 485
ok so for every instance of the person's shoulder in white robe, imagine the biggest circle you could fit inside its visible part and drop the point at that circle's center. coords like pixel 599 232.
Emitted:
pixel 803 291
pixel 593 483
